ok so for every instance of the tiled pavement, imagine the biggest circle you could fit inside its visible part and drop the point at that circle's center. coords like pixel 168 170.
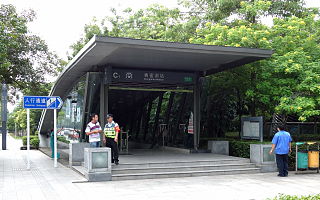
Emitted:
pixel 45 182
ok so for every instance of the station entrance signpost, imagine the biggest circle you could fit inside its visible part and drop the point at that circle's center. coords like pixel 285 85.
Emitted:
pixel 42 102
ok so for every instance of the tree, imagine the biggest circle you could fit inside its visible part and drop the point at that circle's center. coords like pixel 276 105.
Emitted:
pixel 217 10
pixel 24 58
pixel 153 23
pixel 25 63
pixel 261 88
pixel 287 83
pixel 18 119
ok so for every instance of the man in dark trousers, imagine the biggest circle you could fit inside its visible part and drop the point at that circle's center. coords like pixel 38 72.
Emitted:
pixel 281 145
pixel 111 131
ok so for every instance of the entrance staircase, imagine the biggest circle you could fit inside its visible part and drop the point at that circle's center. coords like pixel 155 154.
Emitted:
pixel 174 169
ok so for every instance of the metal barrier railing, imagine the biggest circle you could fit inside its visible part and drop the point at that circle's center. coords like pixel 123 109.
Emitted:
pixel 163 130
pixel 167 136
pixel 124 141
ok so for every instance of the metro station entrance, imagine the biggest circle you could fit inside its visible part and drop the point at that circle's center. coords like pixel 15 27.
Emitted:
pixel 152 106
pixel 151 87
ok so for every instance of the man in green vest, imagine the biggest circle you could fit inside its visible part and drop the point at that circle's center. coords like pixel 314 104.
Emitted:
pixel 111 131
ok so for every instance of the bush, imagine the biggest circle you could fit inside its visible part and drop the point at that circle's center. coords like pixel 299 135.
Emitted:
pixel 34 141
pixel 237 148
pixel 63 139
pixel 24 139
pixel 240 148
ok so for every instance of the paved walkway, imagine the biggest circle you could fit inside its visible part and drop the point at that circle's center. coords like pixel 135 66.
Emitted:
pixel 45 182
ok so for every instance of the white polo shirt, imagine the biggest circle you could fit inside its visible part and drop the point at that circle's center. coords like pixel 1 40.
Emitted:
pixel 95 137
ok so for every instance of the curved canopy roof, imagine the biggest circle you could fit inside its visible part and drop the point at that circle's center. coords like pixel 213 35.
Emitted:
pixel 147 54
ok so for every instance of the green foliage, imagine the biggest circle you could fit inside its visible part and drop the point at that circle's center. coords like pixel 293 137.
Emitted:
pixel 19 117
pixel 217 10
pixel 24 58
pixel 288 83
pixel 63 139
pixel 296 197
pixel 153 23
pixel 305 137
pixel 34 141
pixel 240 148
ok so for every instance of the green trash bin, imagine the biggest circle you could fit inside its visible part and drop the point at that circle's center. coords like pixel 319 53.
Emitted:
pixel 302 160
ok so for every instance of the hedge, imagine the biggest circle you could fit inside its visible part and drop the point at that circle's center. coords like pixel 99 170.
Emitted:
pixel 241 148
pixel 306 137
pixel 63 139
pixel 34 141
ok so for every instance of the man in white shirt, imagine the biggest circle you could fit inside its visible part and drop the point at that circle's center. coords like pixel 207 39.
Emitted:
pixel 93 130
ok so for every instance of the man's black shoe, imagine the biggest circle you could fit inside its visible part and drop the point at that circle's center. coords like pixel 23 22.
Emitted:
pixel 117 162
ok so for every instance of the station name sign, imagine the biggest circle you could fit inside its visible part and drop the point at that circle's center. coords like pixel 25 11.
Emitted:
pixel 151 76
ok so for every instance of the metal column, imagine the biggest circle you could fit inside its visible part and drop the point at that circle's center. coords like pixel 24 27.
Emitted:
pixel 104 90
pixel 85 108
pixel 104 94
pixel 196 111
pixel 4 116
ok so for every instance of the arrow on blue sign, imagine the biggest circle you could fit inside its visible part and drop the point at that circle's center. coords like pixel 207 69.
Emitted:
pixel 42 102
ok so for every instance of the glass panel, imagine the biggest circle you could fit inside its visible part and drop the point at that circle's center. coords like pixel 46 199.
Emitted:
pixel 251 129
pixel 266 156
pixel 70 115
pixel 99 160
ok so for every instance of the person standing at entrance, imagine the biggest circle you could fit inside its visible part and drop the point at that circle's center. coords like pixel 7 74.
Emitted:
pixel 93 130
pixel 111 131
pixel 281 145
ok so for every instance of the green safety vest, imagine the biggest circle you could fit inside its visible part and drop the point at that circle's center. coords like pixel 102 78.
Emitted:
pixel 110 132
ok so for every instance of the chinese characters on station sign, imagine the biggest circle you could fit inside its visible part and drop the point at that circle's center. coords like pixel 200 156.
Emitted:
pixel 153 76
pixel 144 76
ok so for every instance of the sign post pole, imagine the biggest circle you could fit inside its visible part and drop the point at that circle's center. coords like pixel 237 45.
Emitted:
pixel 43 102
pixel 28 139
pixel 55 137
pixel 4 116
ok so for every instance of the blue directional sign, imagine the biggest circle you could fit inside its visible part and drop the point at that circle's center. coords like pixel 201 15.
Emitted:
pixel 42 102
